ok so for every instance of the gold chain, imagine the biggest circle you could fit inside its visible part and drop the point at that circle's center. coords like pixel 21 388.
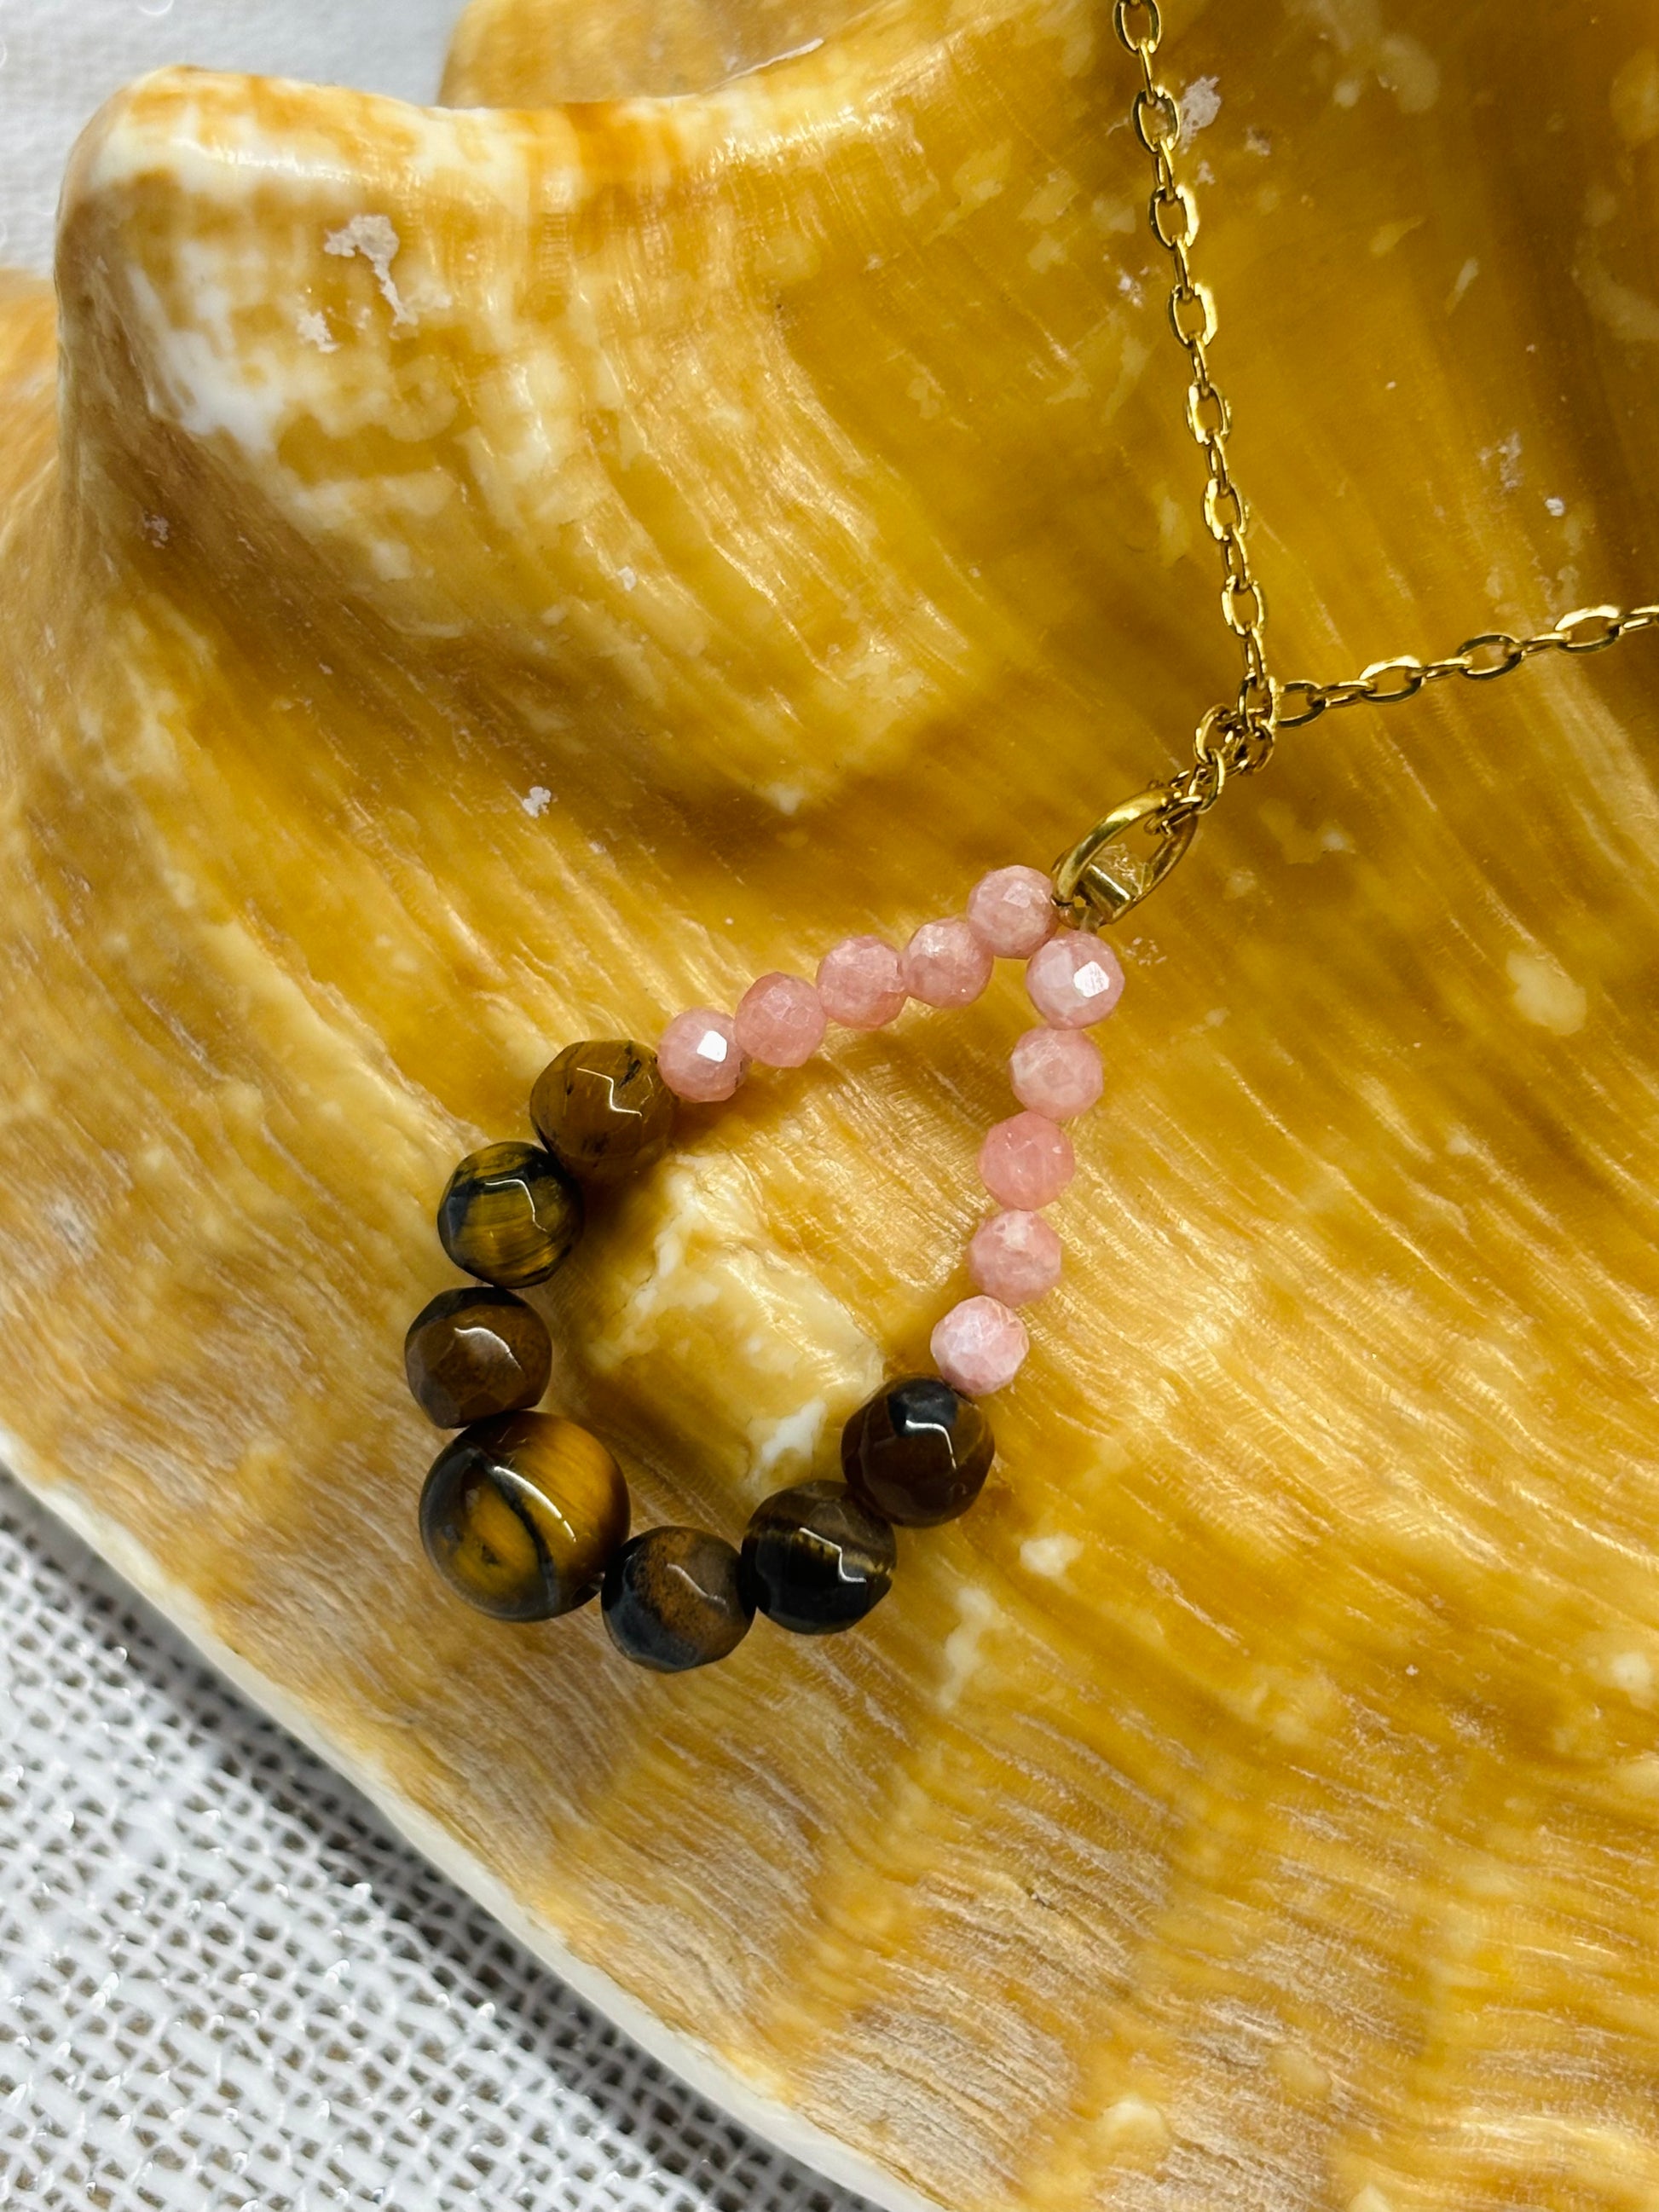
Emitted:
pixel 1127 854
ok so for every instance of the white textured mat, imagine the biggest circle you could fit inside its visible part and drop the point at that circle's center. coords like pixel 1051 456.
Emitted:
pixel 222 1985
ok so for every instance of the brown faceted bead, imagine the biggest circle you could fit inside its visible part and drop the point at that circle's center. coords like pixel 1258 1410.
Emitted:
pixel 815 1560
pixel 522 1515
pixel 510 1215
pixel 476 1352
pixel 603 1109
pixel 674 1599
pixel 917 1452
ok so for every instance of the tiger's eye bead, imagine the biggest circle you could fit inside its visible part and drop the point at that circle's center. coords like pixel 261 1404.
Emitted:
pixel 917 1452
pixel 674 1599
pixel 510 1215
pixel 474 1353
pixel 603 1109
pixel 522 1515
pixel 815 1560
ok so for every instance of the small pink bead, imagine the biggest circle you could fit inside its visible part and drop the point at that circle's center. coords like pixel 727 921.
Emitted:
pixel 1026 1161
pixel 1074 980
pixel 781 1021
pixel 1015 1257
pixel 944 964
pixel 859 983
pixel 1057 1073
pixel 980 1345
pixel 699 1057
pixel 1013 911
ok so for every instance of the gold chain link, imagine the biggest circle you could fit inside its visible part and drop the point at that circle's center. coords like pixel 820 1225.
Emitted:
pixel 1102 878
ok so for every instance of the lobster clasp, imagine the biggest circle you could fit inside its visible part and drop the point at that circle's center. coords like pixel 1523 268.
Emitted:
pixel 1123 859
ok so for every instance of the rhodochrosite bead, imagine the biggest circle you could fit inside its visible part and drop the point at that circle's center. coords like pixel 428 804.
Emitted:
pixel 1057 1073
pixel 700 1057
pixel 859 983
pixel 917 1452
pixel 674 1599
pixel 603 1109
pixel 1026 1161
pixel 1074 980
pixel 781 1021
pixel 944 964
pixel 521 1517
pixel 510 1215
pixel 1011 910
pixel 1015 1257
pixel 476 1352
pixel 816 1559
pixel 980 1346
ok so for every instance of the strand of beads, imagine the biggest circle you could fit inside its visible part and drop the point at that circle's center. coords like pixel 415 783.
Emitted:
pixel 526 1515
pixel 1025 1162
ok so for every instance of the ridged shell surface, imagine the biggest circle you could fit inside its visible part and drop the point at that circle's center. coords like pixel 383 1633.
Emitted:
pixel 491 576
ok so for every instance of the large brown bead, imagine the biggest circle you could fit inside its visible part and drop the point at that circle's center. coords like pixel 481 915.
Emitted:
pixel 476 1352
pixel 815 1560
pixel 603 1109
pixel 510 1215
pixel 675 1598
pixel 522 1515
pixel 917 1452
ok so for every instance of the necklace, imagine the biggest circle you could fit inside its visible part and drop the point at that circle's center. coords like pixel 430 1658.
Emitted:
pixel 525 1514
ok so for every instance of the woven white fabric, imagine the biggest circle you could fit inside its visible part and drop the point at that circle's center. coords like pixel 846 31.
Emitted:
pixel 223 1985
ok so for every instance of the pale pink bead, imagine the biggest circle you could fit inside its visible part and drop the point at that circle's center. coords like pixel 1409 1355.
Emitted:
pixel 781 1021
pixel 980 1345
pixel 699 1057
pixel 859 983
pixel 1057 1073
pixel 1013 911
pixel 1026 1161
pixel 1015 1257
pixel 1074 980
pixel 944 964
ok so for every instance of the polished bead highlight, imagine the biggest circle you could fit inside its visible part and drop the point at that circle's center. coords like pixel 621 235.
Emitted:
pixel 980 1346
pixel 859 983
pixel 944 964
pixel 700 1058
pixel 1074 981
pixel 510 1215
pixel 1026 1161
pixel 1014 1258
pixel 1057 1073
pixel 476 1352
pixel 917 1452
pixel 1013 911
pixel 675 1598
pixel 816 1559
pixel 603 1109
pixel 522 1515
pixel 781 1021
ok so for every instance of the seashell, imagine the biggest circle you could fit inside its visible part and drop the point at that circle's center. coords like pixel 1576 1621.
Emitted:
pixel 489 577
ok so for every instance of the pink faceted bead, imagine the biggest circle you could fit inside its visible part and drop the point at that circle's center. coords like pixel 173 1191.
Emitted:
pixel 1026 1161
pixel 1057 1073
pixel 781 1021
pixel 1013 911
pixel 1074 980
pixel 944 964
pixel 699 1057
pixel 859 984
pixel 1015 1257
pixel 980 1345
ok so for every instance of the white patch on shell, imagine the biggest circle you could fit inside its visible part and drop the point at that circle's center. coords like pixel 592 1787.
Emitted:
pixel 962 1656
pixel 1200 105
pixel 795 1436
pixel 372 236
pixel 1545 994
pixel 1049 1555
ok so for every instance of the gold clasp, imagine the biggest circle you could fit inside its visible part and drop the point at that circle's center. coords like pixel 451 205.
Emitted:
pixel 1123 859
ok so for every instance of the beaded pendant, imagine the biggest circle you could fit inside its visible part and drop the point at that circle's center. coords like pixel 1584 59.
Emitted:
pixel 526 1515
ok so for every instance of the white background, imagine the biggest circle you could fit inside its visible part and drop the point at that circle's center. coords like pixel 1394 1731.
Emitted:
pixel 223 1987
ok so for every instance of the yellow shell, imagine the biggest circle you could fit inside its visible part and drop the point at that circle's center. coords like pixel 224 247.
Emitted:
pixel 501 576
